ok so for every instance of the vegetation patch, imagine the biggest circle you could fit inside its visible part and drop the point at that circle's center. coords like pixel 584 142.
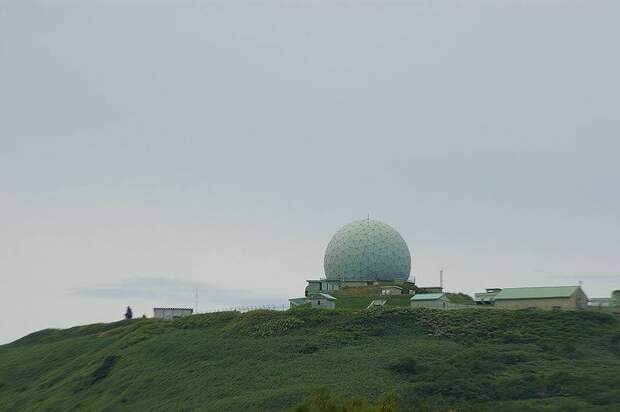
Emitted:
pixel 209 320
pixel 104 369
pixel 308 348
pixel 326 401
pixel 264 323
pixel 615 343
pixel 460 298
pixel 407 365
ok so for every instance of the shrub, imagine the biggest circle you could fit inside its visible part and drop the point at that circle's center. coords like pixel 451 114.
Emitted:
pixel 104 369
pixel 273 327
pixel 406 366
pixel 308 348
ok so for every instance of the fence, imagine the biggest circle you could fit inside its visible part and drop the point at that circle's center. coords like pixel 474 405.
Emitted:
pixel 243 309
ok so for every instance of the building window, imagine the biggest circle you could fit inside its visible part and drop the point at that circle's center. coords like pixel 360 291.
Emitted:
pixel 318 302
pixel 557 307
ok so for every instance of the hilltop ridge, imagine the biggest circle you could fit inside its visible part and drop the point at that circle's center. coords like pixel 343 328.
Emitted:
pixel 265 360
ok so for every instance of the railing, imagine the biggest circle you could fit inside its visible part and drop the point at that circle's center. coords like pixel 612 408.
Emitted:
pixel 243 309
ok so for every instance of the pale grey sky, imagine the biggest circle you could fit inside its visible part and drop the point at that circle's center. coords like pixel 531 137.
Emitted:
pixel 148 148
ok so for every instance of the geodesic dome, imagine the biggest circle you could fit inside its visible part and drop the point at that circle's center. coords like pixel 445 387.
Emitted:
pixel 367 250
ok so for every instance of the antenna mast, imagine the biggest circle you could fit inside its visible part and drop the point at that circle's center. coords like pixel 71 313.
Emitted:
pixel 196 301
pixel 441 279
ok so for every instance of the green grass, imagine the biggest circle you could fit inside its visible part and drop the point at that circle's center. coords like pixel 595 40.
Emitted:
pixel 263 360
pixel 461 299
pixel 357 298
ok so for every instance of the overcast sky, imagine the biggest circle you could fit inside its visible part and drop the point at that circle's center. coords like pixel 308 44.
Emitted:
pixel 151 148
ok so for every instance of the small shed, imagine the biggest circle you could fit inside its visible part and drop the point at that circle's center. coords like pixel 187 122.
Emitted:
pixel 391 290
pixel 171 313
pixel 430 300
pixel 322 301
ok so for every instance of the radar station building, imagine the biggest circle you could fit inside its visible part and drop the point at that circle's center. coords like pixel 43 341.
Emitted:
pixel 364 252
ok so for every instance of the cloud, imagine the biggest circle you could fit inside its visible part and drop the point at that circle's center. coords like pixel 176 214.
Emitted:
pixel 168 289
pixel 595 278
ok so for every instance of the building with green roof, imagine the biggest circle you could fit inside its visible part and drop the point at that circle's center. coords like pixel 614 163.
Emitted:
pixel 430 300
pixel 544 297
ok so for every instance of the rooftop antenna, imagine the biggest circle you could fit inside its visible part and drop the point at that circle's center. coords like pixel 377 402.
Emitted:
pixel 441 279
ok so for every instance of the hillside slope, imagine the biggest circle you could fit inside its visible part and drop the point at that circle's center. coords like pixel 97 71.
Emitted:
pixel 262 360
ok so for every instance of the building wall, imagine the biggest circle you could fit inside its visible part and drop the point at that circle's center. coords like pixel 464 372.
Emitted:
pixel 551 303
pixel 615 298
pixel 313 287
pixel 435 304
pixel 323 304
pixel 330 285
pixel 171 313
pixel 430 289
pixel 322 286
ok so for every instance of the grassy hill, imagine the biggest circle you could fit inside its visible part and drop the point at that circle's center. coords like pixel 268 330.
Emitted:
pixel 361 297
pixel 263 360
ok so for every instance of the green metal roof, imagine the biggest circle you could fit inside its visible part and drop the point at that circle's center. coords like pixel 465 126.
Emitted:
pixel 543 292
pixel 428 296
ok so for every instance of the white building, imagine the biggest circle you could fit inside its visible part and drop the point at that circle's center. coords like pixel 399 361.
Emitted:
pixel 171 313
